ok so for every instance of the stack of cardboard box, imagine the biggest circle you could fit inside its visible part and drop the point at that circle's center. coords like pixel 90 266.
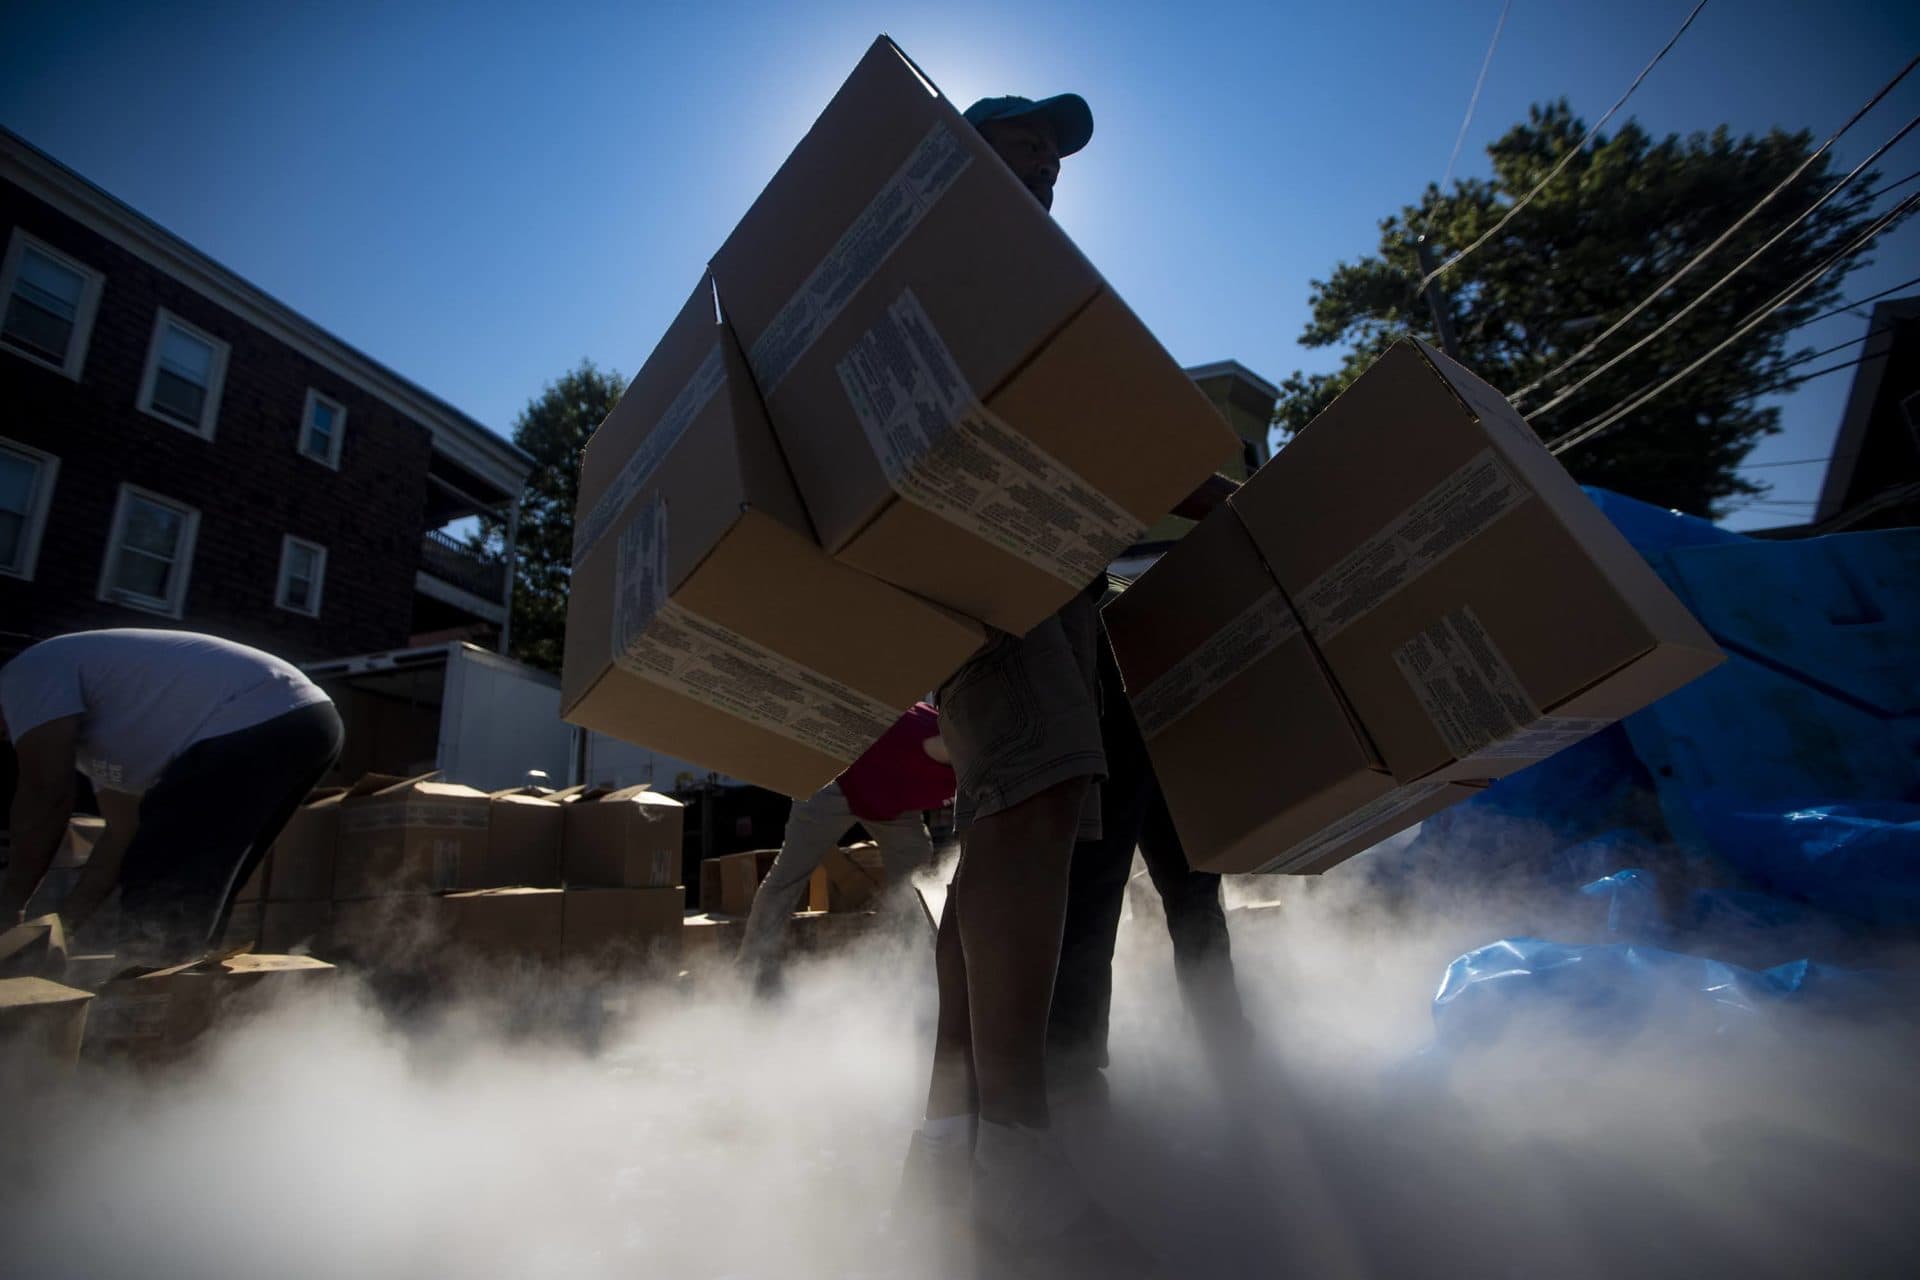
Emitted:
pixel 1411 599
pixel 418 875
pixel 900 406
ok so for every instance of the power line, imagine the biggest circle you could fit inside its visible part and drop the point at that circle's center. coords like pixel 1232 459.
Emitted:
pixel 1796 462
pixel 1472 102
pixel 1568 392
pixel 1517 397
pixel 1567 159
pixel 1845 307
pixel 1787 384
pixel 1896 183
pixel 1600 422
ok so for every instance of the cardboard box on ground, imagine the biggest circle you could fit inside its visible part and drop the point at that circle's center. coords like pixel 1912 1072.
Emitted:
pixel 631 837
pixel 1411 598
pixel 850 878
pixel 415 836
pixel 155 1015
pixel 42 1026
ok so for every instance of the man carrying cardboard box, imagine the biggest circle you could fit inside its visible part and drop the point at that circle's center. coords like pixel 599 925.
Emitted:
pixel 886 790
pixel 1022 722
pixel 199 750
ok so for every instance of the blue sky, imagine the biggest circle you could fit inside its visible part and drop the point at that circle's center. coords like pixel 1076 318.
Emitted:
pixel 481 194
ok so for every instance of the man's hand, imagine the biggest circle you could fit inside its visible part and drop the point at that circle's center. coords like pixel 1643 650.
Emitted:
pixel 42 804
pixel 1213 491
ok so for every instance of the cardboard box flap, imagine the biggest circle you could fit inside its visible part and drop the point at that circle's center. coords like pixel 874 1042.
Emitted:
pixel 239 965
pixel 37 943
pixel 20 993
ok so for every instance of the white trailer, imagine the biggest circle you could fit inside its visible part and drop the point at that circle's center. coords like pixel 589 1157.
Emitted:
pixel 477 717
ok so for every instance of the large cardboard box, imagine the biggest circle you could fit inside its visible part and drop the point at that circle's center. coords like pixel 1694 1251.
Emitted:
pixel 1264 766
pixel 519 926
pixel 622 928
pixel 631 837
pixel 42 1024
pixel 157 1014
pixel 415 836
pixel 523 838
pixel 703 620
pixel 303 854
pixel 709 943
pixel 970 411
pixel 1477 610
pixel 850 878
pixel 728 882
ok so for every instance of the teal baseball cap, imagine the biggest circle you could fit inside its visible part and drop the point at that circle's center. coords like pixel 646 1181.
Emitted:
pixel 1067 114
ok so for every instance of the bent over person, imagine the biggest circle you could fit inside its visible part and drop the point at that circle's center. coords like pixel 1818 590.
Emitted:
pixel 199 750
pixel 903 774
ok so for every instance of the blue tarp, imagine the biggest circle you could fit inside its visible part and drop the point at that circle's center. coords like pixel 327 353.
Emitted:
pixel 1609 990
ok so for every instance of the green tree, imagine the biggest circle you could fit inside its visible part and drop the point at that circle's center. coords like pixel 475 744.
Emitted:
pixel 554 428
pixel 1625 214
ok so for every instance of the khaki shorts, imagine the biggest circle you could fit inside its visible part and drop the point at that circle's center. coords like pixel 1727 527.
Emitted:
pixel 1023 715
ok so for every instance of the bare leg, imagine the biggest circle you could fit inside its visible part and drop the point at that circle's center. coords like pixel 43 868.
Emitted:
pixel 952 1090
pixel 1011 892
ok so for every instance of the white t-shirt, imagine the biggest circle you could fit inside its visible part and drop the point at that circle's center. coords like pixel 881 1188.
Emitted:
pixel 143 697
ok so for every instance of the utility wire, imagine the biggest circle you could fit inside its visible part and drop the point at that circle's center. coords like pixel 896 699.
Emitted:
pixel 1472 102
pixel 1519 396
pixel 1845 307
pixel 1566 159
pixel 1796 462
pixel 1569 391
pixel 1601 421
pixel 1787 384
pixel 1896 183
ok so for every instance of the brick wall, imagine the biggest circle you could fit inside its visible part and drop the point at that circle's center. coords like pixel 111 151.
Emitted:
pixel 249 483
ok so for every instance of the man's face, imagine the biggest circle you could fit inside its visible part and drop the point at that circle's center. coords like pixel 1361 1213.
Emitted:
pixel 1028 147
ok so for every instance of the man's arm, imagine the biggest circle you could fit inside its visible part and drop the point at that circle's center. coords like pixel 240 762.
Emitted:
pixel 1213 491
pixel 42 804
pixel 102 872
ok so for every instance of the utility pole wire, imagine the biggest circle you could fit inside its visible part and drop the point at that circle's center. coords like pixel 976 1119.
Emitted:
pixel 1569 391
pixel 1845 307
pixel 1517 397
pixel 1472 102
pixel 1567 159
pixel 1602 421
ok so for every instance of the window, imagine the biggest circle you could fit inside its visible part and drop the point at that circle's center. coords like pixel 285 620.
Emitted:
pixel 322 424
pixel 49 304
pixel 185 368
pixel 150 552
pixel 303 569
pixel 26 488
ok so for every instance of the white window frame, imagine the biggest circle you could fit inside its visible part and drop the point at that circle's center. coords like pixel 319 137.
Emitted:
pixel 83 315
pixel 216 374
pixel 339 428
pixel 175 605
pixel 39 502
pixel 287 543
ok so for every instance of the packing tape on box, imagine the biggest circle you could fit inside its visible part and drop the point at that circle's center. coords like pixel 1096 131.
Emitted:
pixel 1254 632
pixel 1449 515
pixel 652 451
pixel 1474 698
pixel 946 452
pixel 659 640
pixel 928 172
pixel 1394 803
pixel 414 811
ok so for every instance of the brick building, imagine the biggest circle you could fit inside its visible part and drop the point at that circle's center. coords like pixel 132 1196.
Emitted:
pixel 179 449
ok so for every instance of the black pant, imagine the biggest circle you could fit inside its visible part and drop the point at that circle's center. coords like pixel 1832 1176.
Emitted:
pixel 1133 813
pixel 210 818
